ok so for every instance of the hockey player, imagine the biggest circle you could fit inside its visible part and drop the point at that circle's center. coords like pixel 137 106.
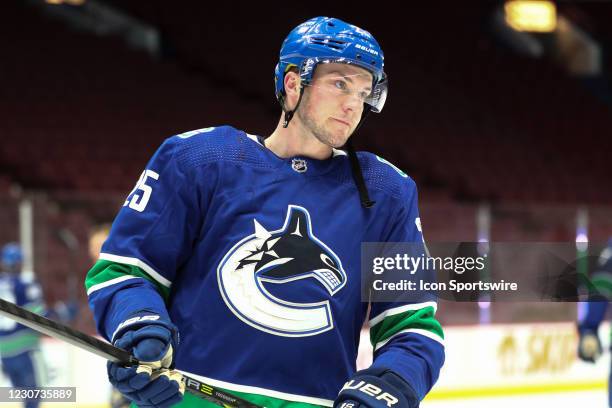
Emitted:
pixel 19 346
pixel 248 250
pixel 591 314
pixel 97 236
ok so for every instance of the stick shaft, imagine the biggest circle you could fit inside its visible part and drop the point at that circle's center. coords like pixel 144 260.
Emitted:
pixel 109 352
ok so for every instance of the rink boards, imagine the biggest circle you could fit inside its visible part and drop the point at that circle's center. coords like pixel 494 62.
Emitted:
pixel 518 363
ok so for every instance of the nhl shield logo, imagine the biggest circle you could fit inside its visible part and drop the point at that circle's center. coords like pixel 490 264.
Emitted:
pixel 299 165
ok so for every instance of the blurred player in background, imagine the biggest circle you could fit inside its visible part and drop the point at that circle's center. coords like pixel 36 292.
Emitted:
pixel 249 248
pixel 22 361
pixel 97 236
pixel 591 314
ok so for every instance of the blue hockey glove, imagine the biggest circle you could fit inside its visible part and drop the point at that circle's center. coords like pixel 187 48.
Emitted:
pixel 589 346
pixel 152 383
pixel 376 388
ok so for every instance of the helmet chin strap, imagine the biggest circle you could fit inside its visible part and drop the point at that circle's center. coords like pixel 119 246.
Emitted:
pixel 356 171
pixel 289 113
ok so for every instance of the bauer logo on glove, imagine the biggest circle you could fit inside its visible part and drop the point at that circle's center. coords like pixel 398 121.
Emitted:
pixel 371 390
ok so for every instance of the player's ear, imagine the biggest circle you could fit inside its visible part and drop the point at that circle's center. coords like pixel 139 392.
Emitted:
pixel 292 81
pixel 292 87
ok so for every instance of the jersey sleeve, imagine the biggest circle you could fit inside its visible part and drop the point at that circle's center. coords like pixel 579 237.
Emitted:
pixel 406 336
pixel 150 239
pixel 590 315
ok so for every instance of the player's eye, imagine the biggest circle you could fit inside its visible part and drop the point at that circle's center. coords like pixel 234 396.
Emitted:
pixel 340 84
pixel 328 261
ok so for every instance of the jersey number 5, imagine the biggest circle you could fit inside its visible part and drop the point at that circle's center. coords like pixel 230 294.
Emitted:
pixel 139 202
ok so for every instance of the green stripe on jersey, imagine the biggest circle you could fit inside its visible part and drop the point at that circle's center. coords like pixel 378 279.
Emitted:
pixel 35 308
pixel 19 343
pixel 603 284
pixel 423 319
pixel 191 401
pixel 105 271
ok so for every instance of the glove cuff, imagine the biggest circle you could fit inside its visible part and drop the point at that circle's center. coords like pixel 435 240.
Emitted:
pixel 146 318
pixel 378 387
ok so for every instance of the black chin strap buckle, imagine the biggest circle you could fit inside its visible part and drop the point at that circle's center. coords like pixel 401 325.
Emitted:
pixel 288 115
pixel 368 203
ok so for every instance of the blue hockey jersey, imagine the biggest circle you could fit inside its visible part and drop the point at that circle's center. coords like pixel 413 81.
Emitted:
pixel 256 260
pixel 15 338
pixel 591 314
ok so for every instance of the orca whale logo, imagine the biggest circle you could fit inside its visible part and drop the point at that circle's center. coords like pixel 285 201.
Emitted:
pixel 276 257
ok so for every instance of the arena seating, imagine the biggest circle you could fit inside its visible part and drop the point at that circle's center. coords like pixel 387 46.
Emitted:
pixel 469 120
pixel 463 114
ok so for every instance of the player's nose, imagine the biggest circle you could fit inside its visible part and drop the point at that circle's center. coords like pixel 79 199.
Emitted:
pixel 351 103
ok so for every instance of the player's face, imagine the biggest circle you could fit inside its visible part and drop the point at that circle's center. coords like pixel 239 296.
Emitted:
pixel 11 267
pixel 332 105
pixel 95 244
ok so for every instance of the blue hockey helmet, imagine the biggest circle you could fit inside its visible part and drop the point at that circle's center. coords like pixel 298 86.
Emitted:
pixel 11 254
pixel 330 40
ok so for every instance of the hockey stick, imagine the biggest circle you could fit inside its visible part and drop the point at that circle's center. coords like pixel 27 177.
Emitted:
pixel 109 352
